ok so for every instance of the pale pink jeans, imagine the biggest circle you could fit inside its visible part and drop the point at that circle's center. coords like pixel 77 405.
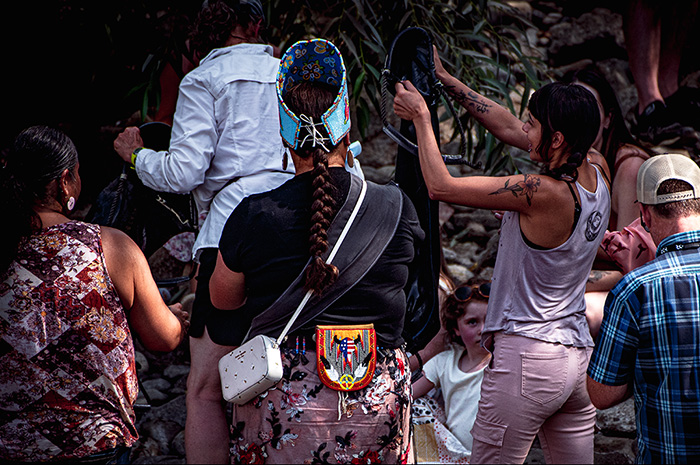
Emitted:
pixel 530 388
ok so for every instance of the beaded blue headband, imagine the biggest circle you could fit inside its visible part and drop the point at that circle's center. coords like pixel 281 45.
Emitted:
pixel 314 60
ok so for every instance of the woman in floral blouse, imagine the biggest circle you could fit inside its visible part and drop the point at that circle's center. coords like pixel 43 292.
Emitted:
pixel 69 293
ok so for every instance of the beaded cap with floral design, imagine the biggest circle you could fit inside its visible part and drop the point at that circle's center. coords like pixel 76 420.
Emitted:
pixel 315 60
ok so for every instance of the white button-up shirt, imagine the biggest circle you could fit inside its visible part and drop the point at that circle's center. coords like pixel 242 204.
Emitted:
pixel 225 142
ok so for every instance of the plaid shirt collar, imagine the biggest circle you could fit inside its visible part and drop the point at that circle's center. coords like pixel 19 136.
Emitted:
pixel 678 242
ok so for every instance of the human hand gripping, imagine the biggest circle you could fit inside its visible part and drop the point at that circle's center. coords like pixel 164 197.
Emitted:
pixel 440 71
pixel 127 142
pixel 409 103
pixel 182 316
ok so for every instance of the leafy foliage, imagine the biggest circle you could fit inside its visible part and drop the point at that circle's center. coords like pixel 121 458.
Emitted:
pixel 479 42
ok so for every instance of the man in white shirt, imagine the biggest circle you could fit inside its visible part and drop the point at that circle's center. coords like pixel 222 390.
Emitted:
pixel 225 145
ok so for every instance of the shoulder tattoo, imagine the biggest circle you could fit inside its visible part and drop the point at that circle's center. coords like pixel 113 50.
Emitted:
pixel 527 187
pixel 470 99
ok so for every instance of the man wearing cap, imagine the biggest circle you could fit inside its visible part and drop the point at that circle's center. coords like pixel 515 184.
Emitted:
pixel 649 338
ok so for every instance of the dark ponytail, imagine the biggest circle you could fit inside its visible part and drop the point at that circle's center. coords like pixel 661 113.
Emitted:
pixel 573 111
pixel 313 100
pixel 38 156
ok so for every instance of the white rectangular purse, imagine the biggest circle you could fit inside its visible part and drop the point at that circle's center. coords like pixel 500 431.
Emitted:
pixel 250 370
pixel 256 366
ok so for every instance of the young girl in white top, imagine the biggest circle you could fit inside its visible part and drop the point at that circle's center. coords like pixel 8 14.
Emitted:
pixel 459 369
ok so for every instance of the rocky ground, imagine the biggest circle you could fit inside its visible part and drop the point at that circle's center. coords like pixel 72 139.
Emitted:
pixel 566 34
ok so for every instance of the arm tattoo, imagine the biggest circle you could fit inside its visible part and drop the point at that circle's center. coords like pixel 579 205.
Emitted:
pixel 469 100
pixel 597 275
pixel 527 187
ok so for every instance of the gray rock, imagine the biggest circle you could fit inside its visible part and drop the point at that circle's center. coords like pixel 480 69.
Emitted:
pixel 141 362
pixel 381 175
pixel 145 449
pixel 460 273
pixel 618 420
pixel 614 449
pixel 178 443
pixel 466 253
pixel 552 18
pixel 523 8
pixel 159 384
pixel 162 431
pixel 174 410
pixel 600 25
pixel 176 371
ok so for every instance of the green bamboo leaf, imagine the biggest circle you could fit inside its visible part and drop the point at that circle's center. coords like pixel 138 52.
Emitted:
pixel 357 86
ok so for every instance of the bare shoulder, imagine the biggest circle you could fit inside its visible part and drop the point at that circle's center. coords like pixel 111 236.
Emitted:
pixel 596 158
pixel 629 150
pixel 120 250
pixel 629 158
pixel 116 237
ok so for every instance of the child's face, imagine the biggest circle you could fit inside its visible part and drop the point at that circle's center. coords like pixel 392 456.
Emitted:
pixel 470 324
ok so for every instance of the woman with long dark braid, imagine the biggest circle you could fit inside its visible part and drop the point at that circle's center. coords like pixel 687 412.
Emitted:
pixel 552 227
pixel 284 236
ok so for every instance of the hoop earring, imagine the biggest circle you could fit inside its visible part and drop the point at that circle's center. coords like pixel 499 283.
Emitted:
pixel 70 205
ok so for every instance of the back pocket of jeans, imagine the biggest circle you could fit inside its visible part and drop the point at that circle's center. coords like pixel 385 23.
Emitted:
pixel 543 376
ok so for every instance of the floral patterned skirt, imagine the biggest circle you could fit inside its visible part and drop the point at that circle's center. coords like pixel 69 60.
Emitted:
pixel 303 421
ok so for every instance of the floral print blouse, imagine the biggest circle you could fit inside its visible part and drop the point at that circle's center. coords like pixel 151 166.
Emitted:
pixel 68 381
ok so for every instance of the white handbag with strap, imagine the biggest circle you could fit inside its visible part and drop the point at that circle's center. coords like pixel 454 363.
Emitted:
pixel 256 366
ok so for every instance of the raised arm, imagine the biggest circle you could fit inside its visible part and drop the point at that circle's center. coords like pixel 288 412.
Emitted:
pixel 512 193
pixel 496 119
pixel 159 327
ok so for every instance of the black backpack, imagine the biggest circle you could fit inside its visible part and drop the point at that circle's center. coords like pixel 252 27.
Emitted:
pixel 149 217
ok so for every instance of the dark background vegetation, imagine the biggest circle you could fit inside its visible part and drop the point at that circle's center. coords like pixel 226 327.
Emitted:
pixel 90 67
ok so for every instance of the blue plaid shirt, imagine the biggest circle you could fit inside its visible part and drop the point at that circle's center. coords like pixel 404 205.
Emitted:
pixel 650 338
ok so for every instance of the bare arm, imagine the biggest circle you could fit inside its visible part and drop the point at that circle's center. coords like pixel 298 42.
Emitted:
pixel 422 387
pixel 497 119
pixel 603 396
pixel 511 193
pixel 434 347
pixel 226 287
pixel 625 192
pixel 160 328
pixel 602 280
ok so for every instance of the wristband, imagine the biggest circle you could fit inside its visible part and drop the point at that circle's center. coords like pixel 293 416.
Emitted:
pixel 420 361
pixel 134 154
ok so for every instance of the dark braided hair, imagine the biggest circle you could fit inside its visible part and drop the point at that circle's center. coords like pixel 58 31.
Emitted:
pixel 313 100
pixel 214 23
pixel 38 156
pixel 573 111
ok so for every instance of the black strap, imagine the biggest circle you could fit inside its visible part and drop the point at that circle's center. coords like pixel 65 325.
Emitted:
pixel 577 205
pixel 678 247
pixel 368 237
pixel 602 171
